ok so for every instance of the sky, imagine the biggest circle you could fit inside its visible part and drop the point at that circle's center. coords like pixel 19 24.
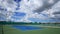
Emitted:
pixel 30 10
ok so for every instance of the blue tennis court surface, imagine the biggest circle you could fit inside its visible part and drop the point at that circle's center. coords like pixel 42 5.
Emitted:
pixel 25 28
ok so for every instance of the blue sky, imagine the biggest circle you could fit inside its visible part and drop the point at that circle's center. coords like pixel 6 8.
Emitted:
pixel 38 20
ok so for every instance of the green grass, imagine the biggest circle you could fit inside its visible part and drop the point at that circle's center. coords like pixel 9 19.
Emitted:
pixel 9 30
pixel 0 29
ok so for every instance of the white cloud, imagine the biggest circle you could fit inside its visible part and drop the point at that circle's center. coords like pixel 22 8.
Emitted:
pixel 29 6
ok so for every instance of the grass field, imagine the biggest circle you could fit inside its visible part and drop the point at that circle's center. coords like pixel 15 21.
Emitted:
pixel 0 29
pixel 46 30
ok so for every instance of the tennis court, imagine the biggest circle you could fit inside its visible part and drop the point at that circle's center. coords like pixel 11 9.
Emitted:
pixel 29 29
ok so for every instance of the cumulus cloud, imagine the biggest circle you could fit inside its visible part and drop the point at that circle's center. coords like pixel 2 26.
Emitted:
pixel 54 12
pixel 35 10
